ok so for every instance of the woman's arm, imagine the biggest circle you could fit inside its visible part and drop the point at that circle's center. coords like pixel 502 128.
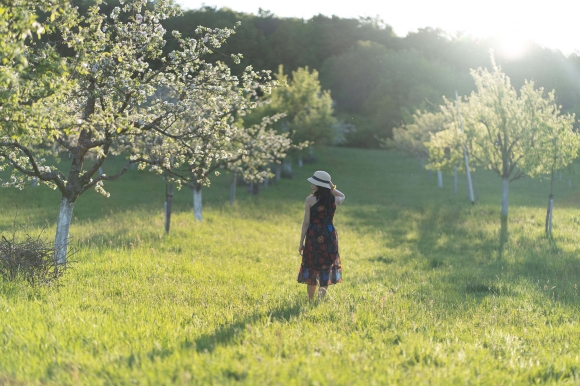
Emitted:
pixel 305 223
pixel 338 195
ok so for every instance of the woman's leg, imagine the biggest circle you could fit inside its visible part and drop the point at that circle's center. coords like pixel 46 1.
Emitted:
pixel 322 292
pixel 311 291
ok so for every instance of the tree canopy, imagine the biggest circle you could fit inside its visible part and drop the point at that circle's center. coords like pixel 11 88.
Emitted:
pixel 511 133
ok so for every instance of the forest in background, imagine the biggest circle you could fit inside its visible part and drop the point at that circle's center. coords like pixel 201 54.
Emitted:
pixel 377 80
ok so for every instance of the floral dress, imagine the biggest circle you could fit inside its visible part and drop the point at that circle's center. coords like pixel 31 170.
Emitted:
pixel 320 259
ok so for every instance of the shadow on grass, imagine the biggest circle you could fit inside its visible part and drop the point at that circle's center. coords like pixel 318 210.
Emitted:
pixel 481 264
pixel 234 332
pixel 468 256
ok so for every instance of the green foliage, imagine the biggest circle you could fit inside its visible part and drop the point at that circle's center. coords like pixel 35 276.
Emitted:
pixel 509 133
pixel 308 110
pixel 386 86
pixel 425 299
pixel 410 139
pixel 376 78
pixel 31 72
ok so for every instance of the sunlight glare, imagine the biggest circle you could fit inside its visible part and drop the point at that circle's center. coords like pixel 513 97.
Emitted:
pixel 513 46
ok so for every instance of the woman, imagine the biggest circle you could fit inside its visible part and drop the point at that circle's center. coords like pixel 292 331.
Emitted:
pixel 320 258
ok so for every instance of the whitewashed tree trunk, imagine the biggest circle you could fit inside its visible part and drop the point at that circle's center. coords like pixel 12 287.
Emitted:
pixel 455 180
pixel 278 172
pixel 300 162
pixel 62 230
pixel 35 182
pixel 505 196
pixel 439 179
pixel 197 209
pixel 266 181
pixel 101 171
pixel 287 166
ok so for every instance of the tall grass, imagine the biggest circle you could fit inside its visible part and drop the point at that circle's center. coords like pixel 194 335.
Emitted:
pixel 428 297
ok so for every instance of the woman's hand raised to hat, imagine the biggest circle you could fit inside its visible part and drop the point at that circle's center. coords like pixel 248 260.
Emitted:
pixel 331 185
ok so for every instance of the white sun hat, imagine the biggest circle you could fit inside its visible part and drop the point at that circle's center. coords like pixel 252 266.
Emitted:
pixel 320 178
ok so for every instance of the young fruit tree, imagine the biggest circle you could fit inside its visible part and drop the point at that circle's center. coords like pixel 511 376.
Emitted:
pixel 504 131
pixel 105 102
pixel 223 144
pixel 556 148
pixel 411 138
pixel 308 111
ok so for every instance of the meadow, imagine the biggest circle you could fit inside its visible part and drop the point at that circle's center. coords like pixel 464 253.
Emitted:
pixel 430 294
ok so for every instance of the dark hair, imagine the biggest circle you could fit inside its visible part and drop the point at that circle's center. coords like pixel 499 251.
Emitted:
pixel 325 197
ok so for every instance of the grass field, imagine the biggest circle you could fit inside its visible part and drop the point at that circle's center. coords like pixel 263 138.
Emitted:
pixel 427 297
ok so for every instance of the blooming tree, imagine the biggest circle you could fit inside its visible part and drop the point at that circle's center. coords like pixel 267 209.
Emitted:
pixel 107 103
pixel 513 134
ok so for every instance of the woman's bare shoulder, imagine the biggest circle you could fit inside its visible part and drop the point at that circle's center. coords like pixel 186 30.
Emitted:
pixel 311 200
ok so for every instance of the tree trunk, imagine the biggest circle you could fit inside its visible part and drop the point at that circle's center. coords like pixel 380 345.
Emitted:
pixel 266 181
pixel 287 166
pixel 253 188
pixel 475 190
pixel 167 206
pixel 505 196
pixel 455 180
pixel 197 209
pixel 549 213
pixel 101 171
pixel 62 230
pixel 233 189
pixel 35 182
pixel 439 179
pixel 278 172
pixel 300 162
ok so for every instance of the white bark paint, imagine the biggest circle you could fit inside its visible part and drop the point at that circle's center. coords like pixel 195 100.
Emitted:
pixel 35 182
pixel 288 167
pixel 504 196
pixel 101 171
pixel 439 179
pixel 455 180
pixel 197 203
pixel 62 230
pixel 300 162
pixel 266 181
pixel 278 172
pixel 465 156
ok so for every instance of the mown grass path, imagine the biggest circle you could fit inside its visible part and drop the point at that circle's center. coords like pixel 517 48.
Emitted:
pixel 427 298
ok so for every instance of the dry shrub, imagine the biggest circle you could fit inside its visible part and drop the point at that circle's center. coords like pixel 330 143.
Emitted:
pixel 29 258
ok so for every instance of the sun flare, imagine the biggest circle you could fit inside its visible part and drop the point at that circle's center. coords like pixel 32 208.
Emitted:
pixel 513 46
